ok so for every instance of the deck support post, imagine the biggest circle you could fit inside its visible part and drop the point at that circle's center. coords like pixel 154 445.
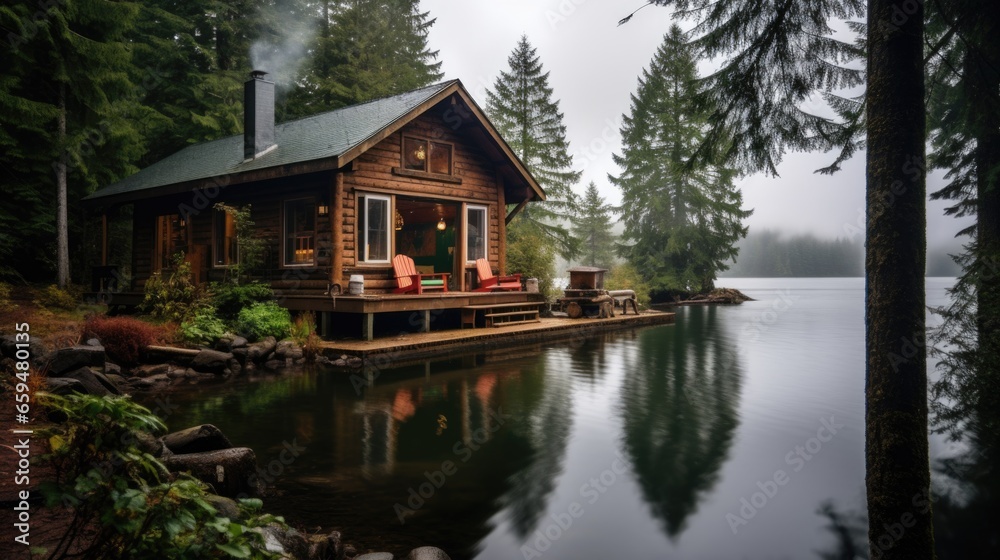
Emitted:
pixel 501 228
pixel 427 321
pixel 368 327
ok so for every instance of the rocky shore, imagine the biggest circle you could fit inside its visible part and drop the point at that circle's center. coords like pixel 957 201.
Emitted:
pixel 202 451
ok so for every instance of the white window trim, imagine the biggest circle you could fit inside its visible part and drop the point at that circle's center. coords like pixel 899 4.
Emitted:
pixel 284 233
pixel 364 234
pixel 486 231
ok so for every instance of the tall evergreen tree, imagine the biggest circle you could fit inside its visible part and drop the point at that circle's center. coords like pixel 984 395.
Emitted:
pixel 523 110
pixel 67 108
pixel 592 227
pixel 682 222
pixel 775 54
pixel 365 49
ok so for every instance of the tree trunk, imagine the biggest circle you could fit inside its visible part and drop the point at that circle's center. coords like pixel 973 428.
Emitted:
pixel 62 222
pixel 984 84
pixel 896 454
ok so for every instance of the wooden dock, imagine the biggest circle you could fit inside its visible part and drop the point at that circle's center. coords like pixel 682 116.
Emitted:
pixel 412 346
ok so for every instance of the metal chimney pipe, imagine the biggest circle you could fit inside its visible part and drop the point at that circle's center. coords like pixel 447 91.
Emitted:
pixel 258 115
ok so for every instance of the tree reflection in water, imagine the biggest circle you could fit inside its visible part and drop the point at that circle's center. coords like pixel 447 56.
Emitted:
pixel 679 403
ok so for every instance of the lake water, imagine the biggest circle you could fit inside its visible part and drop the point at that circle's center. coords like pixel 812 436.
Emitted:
pixel 718 437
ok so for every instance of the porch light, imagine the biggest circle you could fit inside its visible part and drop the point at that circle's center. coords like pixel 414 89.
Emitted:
pixel 182 222
pixel 441 225
pixel 399 221
pixel 420 154
pixel 323 209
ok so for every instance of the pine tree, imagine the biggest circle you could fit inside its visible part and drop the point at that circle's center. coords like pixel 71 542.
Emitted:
pixel 365 49
pixel 592 226
pixel 520 105
pixel 682 222
pixel 67 109
pixel 773 55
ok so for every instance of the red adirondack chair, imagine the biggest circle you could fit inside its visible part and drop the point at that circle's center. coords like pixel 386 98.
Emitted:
pixel 490 283
pixel 408 280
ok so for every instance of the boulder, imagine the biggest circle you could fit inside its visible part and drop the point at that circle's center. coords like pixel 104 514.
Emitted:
pixel 240 354
pixel 350 551
pixel 274 365
pixel 211 361
pixel 427 553
pixel 224 506
pixel 197 439
pixel 75 357
pixel 169 354
pixel 375 556
pixel 287 542
pixel 93 342
pixel 230 472
pixel 230 343
pixel 112 369
pixel 259 351
pixel 287 349
pixel 94 382
pixel 118 380
pixel 150 369
pixel 64 386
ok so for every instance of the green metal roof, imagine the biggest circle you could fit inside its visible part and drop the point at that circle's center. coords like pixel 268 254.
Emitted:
pixel 320 136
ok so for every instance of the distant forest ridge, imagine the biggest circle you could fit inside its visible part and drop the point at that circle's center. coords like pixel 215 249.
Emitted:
pixel 774 254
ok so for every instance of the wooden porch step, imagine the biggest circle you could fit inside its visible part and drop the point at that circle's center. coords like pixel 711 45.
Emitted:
pixel 512 318
pixel 500 313
pixel 513 313
pixel 505 323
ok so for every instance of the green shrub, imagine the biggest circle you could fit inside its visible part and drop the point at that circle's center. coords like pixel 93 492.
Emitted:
pixel 120 502
pixel 229 299
pixel 530 253
pixel 264 319
pixel 123 338
pixel 627 277
pixel 204 328
pixel 171 294
pixel 304 334
pixel 53 297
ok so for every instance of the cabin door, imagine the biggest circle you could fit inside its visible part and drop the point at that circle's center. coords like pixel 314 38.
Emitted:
pixel 169 241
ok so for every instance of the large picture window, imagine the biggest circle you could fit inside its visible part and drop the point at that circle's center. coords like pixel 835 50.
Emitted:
pixel 373 228
pixel 300 232
pixel 424 155
pixel 224 248
pixel 475 232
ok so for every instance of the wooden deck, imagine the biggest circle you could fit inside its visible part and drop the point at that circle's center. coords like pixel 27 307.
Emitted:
pixel 413 346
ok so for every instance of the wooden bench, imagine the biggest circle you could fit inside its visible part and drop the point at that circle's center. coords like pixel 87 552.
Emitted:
pixel 623 298
pixel 497 314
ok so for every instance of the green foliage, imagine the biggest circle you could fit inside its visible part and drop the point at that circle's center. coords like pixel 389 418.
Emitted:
pixel 53 297
pixel 265 319
pixel 172 294
pixel 529 253
pixel 124 338
pixel 592 226
pixel 121 502
pixel 229 299
pixel 626 277
pixel 682 221
pixel 304 334
pixel 365 49
pixel 204 328
pixel 521 106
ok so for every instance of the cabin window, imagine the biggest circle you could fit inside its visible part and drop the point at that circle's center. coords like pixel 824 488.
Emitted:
pixel 169 240
pixel 224 246
pixel 475 233
pixel 373 228
pixel 428 156
pixel 300 232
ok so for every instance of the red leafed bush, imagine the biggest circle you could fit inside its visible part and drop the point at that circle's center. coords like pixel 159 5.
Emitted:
pixel 123 338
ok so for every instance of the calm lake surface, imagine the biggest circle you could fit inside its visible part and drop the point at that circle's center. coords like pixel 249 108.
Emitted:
pixel 718 437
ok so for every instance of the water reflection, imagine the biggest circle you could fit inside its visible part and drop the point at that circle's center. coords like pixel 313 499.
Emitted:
pixel 679 413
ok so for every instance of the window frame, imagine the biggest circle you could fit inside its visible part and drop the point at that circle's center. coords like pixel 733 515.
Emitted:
pixel 469 208
pixel 361 251
pixel 429 143
pixel 225 217
pixel 285 233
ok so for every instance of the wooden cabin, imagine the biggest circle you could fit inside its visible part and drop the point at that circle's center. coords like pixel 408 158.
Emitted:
pixel 334 195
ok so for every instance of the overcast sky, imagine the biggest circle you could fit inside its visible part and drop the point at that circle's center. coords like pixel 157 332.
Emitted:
pixel 593 67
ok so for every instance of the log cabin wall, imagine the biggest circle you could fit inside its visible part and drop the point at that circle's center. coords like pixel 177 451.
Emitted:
pixel 375 172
